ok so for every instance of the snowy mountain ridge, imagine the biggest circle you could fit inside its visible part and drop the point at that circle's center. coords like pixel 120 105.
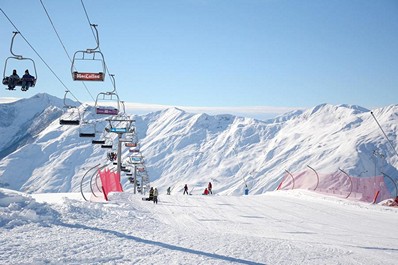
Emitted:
pixel 39 155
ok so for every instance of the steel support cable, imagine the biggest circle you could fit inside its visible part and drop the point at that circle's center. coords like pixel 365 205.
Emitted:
pixel 41 58
pixel 63 46
pixel 97 40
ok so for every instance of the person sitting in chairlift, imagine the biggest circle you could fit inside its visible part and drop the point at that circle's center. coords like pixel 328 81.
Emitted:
pixel 13 80
pixel 27 80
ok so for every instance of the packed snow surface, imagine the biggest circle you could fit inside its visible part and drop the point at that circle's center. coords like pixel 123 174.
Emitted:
pixel 282 227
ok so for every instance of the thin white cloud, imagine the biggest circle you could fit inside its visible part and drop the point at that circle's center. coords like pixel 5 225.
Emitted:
pixel 8 99
pixel 257 112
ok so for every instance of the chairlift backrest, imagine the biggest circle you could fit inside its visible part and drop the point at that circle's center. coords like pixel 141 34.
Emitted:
pixel 72 113
pixel 87 129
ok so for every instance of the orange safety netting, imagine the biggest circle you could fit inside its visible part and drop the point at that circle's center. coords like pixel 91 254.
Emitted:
pixel 368 189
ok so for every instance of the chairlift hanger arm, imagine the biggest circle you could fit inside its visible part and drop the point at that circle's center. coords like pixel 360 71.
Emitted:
pixel 113 82
pixel 96 38
pixel 12 44
pixel 66 105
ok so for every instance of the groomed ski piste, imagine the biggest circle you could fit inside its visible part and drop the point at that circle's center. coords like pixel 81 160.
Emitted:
pixel 280 227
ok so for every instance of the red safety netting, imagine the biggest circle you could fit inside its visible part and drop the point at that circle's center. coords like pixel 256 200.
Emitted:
pixel 368 189
pixel 110 182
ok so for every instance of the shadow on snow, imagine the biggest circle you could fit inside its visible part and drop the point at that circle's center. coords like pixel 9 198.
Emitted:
pixel 160 244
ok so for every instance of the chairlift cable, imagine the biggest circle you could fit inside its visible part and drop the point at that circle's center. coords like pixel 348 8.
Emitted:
pixel 63 46
pixel 41 58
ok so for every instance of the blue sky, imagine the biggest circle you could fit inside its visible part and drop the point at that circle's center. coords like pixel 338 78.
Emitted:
pixel 272 55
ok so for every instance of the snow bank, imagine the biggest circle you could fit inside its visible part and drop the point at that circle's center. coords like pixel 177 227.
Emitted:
pixel 18 209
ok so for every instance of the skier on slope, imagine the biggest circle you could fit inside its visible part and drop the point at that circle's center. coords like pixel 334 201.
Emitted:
pixel 185 189
pixel 155 195
pixel 151 194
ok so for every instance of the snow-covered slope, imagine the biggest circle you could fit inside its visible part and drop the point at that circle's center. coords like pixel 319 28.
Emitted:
pixel 181 147
pixel 283 227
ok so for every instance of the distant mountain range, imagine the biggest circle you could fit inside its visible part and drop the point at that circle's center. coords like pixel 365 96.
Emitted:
pixel 40 155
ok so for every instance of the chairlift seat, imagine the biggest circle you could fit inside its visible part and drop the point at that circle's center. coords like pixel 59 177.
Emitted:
pixel 69 122
pixel 107 146
pixel 88 135
pixel 98 141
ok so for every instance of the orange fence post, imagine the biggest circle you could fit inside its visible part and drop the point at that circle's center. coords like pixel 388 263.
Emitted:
pixel 375 197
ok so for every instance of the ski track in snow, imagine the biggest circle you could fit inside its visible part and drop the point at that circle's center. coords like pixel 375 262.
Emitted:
pixel 275 228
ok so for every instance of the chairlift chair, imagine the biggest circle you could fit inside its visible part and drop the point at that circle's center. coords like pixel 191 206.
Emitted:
pixel 110 96
pixel 106 142
pixel 131 139
pixel 99 140
pixel 87 129
pixel 107 110
pixel 107 145
pixel 71 114
pixel 6 79
pixel 120 125
pixel 89 55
